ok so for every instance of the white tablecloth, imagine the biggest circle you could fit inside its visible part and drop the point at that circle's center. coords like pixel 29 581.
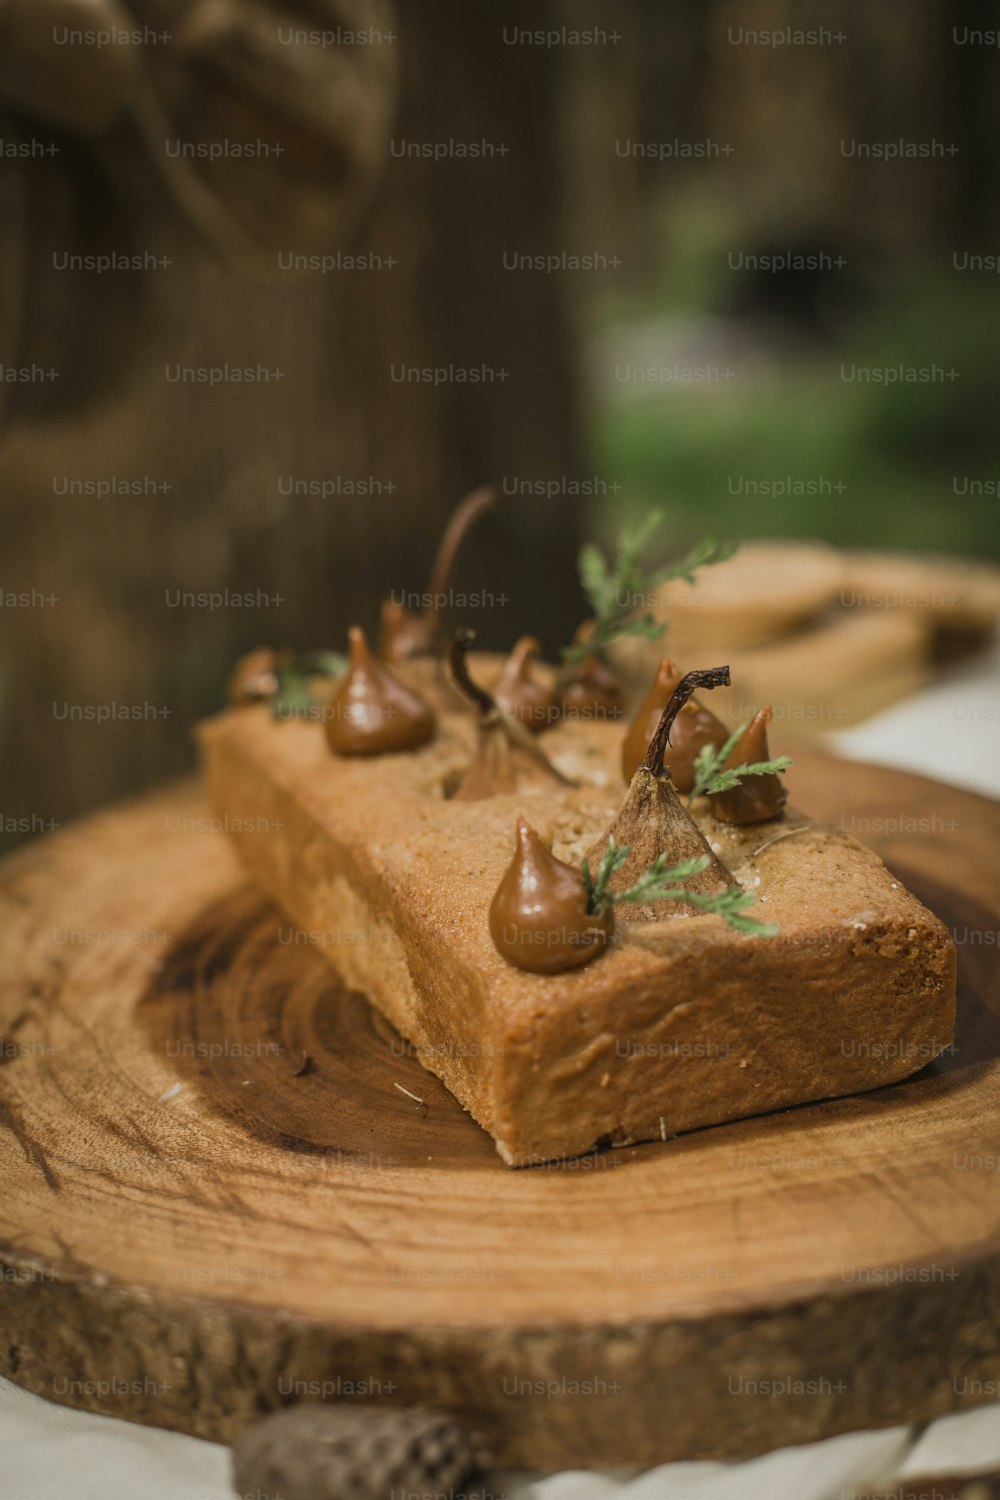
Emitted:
pixel 950 732
pixel 48 1452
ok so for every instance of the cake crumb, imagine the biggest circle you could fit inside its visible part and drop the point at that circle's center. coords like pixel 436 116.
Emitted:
pixel 663 1129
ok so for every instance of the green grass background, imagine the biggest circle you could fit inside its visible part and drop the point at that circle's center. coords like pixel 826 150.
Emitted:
pixel 897 449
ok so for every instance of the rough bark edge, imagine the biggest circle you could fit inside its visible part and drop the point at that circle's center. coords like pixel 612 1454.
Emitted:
pixel 212 1369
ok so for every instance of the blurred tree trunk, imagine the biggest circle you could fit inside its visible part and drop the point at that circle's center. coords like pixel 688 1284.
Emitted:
pixel 218 460
pixel 600 106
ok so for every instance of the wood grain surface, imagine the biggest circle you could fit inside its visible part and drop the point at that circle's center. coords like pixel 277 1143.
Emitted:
pixel 220 1197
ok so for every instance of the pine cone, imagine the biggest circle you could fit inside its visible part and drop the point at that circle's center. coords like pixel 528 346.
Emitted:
pixel 346 1452
pixel 938 1487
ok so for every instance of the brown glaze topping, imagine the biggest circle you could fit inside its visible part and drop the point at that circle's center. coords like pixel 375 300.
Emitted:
pixel 521 695
pixel 758 798
pixel 538 917
pixel 371 712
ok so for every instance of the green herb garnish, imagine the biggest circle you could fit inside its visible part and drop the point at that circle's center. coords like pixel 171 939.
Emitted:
pixel 665 883
pixel 709 775
pixel 617 594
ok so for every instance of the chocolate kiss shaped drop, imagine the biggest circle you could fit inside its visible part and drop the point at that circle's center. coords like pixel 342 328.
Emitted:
pixel 538 917
pixel 592 692
pixel 371 712
pixel 519 694
pixel 693 727
pixel 757 798
pixel 644 725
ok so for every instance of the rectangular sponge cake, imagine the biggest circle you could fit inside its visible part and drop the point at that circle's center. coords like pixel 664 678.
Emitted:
pixel 680 1024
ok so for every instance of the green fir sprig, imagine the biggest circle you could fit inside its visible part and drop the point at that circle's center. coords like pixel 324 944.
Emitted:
pixel 665 883
pixel 617 592
pixel 709 775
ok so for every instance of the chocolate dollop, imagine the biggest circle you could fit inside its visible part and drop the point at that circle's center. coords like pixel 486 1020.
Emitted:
pixel 693 727
pixel 518 693
pixel 538 917
pixel 371 712
pixel 644 724
pixel 757 799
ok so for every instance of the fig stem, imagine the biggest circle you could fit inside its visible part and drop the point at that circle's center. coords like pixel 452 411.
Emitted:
pixel 463 518
pixel 492 715
pixel 458 654
pixel 690 683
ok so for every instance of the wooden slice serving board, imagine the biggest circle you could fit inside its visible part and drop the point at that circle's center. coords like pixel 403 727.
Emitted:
pixel 193 1232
